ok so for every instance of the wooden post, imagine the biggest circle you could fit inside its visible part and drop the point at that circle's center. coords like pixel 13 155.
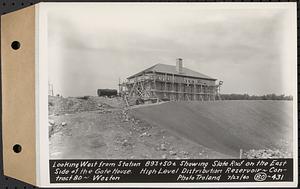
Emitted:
pixel 173 90
pixel 209 94
pixel 165 88
pixel 241 153
pixel 125 98
pixel 179 86
pixel 200 88
pixel 194 90
pixel 131 90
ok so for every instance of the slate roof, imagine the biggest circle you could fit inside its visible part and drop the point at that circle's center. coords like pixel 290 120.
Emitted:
pixel 169 69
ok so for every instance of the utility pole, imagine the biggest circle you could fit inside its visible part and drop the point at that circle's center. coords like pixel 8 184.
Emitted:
pixel 50 89
pixel 119 86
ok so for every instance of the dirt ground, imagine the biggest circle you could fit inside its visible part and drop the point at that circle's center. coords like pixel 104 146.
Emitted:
pixel 99 127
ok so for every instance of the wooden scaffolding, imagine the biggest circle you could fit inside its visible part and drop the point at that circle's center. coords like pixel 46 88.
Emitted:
pixel 168 87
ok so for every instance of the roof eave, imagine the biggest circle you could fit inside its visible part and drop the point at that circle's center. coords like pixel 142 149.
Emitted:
pixel 141 73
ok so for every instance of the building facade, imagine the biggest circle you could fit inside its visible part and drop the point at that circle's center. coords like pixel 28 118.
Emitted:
pixel 166 82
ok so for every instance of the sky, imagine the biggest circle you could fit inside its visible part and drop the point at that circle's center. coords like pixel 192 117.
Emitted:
pixel 92 46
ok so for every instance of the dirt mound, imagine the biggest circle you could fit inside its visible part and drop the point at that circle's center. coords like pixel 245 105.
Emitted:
pixel 226 126
pixel 60 105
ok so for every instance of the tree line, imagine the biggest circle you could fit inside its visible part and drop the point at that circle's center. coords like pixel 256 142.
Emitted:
pixel 255 97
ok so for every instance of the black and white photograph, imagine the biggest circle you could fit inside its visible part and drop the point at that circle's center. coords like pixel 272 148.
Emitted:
pixel 170 81
pixel 150 94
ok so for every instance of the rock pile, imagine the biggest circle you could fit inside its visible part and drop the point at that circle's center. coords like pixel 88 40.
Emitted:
pixel 55 127
pixel 60 105
pixel 263 154
pixel 136 124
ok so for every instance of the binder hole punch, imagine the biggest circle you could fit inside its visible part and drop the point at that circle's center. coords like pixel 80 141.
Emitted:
pixel 15 45
pixel 17 148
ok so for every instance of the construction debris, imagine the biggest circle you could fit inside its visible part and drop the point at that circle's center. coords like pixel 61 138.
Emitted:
pixel 264 154
pixel 51 122
pixel 163 147
pixel 71 105
pixel 145 134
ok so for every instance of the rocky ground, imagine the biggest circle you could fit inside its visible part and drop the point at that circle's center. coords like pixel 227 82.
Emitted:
pixel 99 127
pixel 284 151
pixel 266 153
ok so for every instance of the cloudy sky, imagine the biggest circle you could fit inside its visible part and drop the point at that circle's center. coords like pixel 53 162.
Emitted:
pixel 91 46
